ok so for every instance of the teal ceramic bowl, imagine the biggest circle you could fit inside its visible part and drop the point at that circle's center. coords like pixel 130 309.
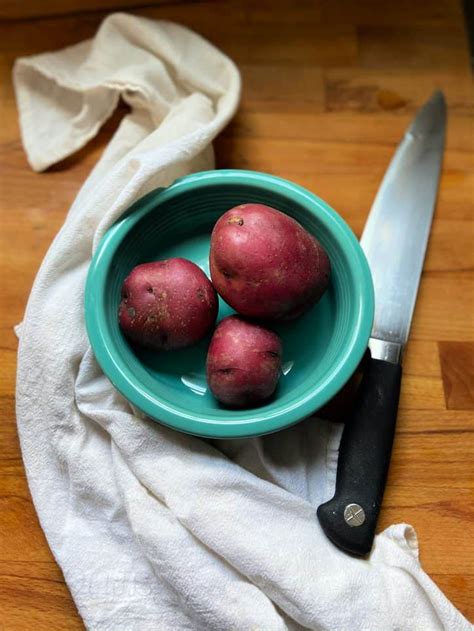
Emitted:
pixel 321 349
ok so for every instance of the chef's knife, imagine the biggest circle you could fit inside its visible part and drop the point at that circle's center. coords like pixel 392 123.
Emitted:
pixel 394 240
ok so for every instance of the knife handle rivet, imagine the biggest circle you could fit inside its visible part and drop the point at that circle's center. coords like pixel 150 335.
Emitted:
pixel 354 515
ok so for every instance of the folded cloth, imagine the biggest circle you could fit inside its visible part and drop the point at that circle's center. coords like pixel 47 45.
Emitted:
pixel 154 529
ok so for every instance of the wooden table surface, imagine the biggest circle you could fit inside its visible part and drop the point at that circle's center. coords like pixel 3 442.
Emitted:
pixel 329 87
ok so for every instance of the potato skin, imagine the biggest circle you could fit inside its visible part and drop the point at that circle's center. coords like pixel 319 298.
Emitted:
pixel 265 264
pixel 167 304
pixel 243 362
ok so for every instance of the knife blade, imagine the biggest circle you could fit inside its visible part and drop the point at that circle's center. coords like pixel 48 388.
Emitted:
pixel 394 240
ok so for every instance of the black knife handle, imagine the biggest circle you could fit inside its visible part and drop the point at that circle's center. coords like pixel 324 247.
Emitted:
pixel 364 458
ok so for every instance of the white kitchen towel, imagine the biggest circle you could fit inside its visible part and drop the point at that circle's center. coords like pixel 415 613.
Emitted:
pixel 156 530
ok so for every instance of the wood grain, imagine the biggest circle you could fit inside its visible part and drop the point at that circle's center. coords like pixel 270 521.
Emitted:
pixel 14 10
pixel 329 88
pixel 457 369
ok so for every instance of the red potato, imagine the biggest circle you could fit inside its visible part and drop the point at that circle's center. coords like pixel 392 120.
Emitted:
pixel 243 362
pixel 167 305
pixel 265 264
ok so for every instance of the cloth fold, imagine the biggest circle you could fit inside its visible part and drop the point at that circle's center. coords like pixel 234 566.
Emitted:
pixel 154 529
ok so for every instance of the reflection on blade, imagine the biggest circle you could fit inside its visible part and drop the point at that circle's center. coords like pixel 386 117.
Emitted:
pixel 396 233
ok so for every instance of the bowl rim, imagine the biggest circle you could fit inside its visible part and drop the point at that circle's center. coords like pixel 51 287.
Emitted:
pixel 259 421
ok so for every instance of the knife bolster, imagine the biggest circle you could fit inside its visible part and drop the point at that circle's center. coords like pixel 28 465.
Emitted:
pixel 385 351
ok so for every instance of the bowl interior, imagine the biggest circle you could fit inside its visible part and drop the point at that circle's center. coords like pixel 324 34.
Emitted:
pixel 171 386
